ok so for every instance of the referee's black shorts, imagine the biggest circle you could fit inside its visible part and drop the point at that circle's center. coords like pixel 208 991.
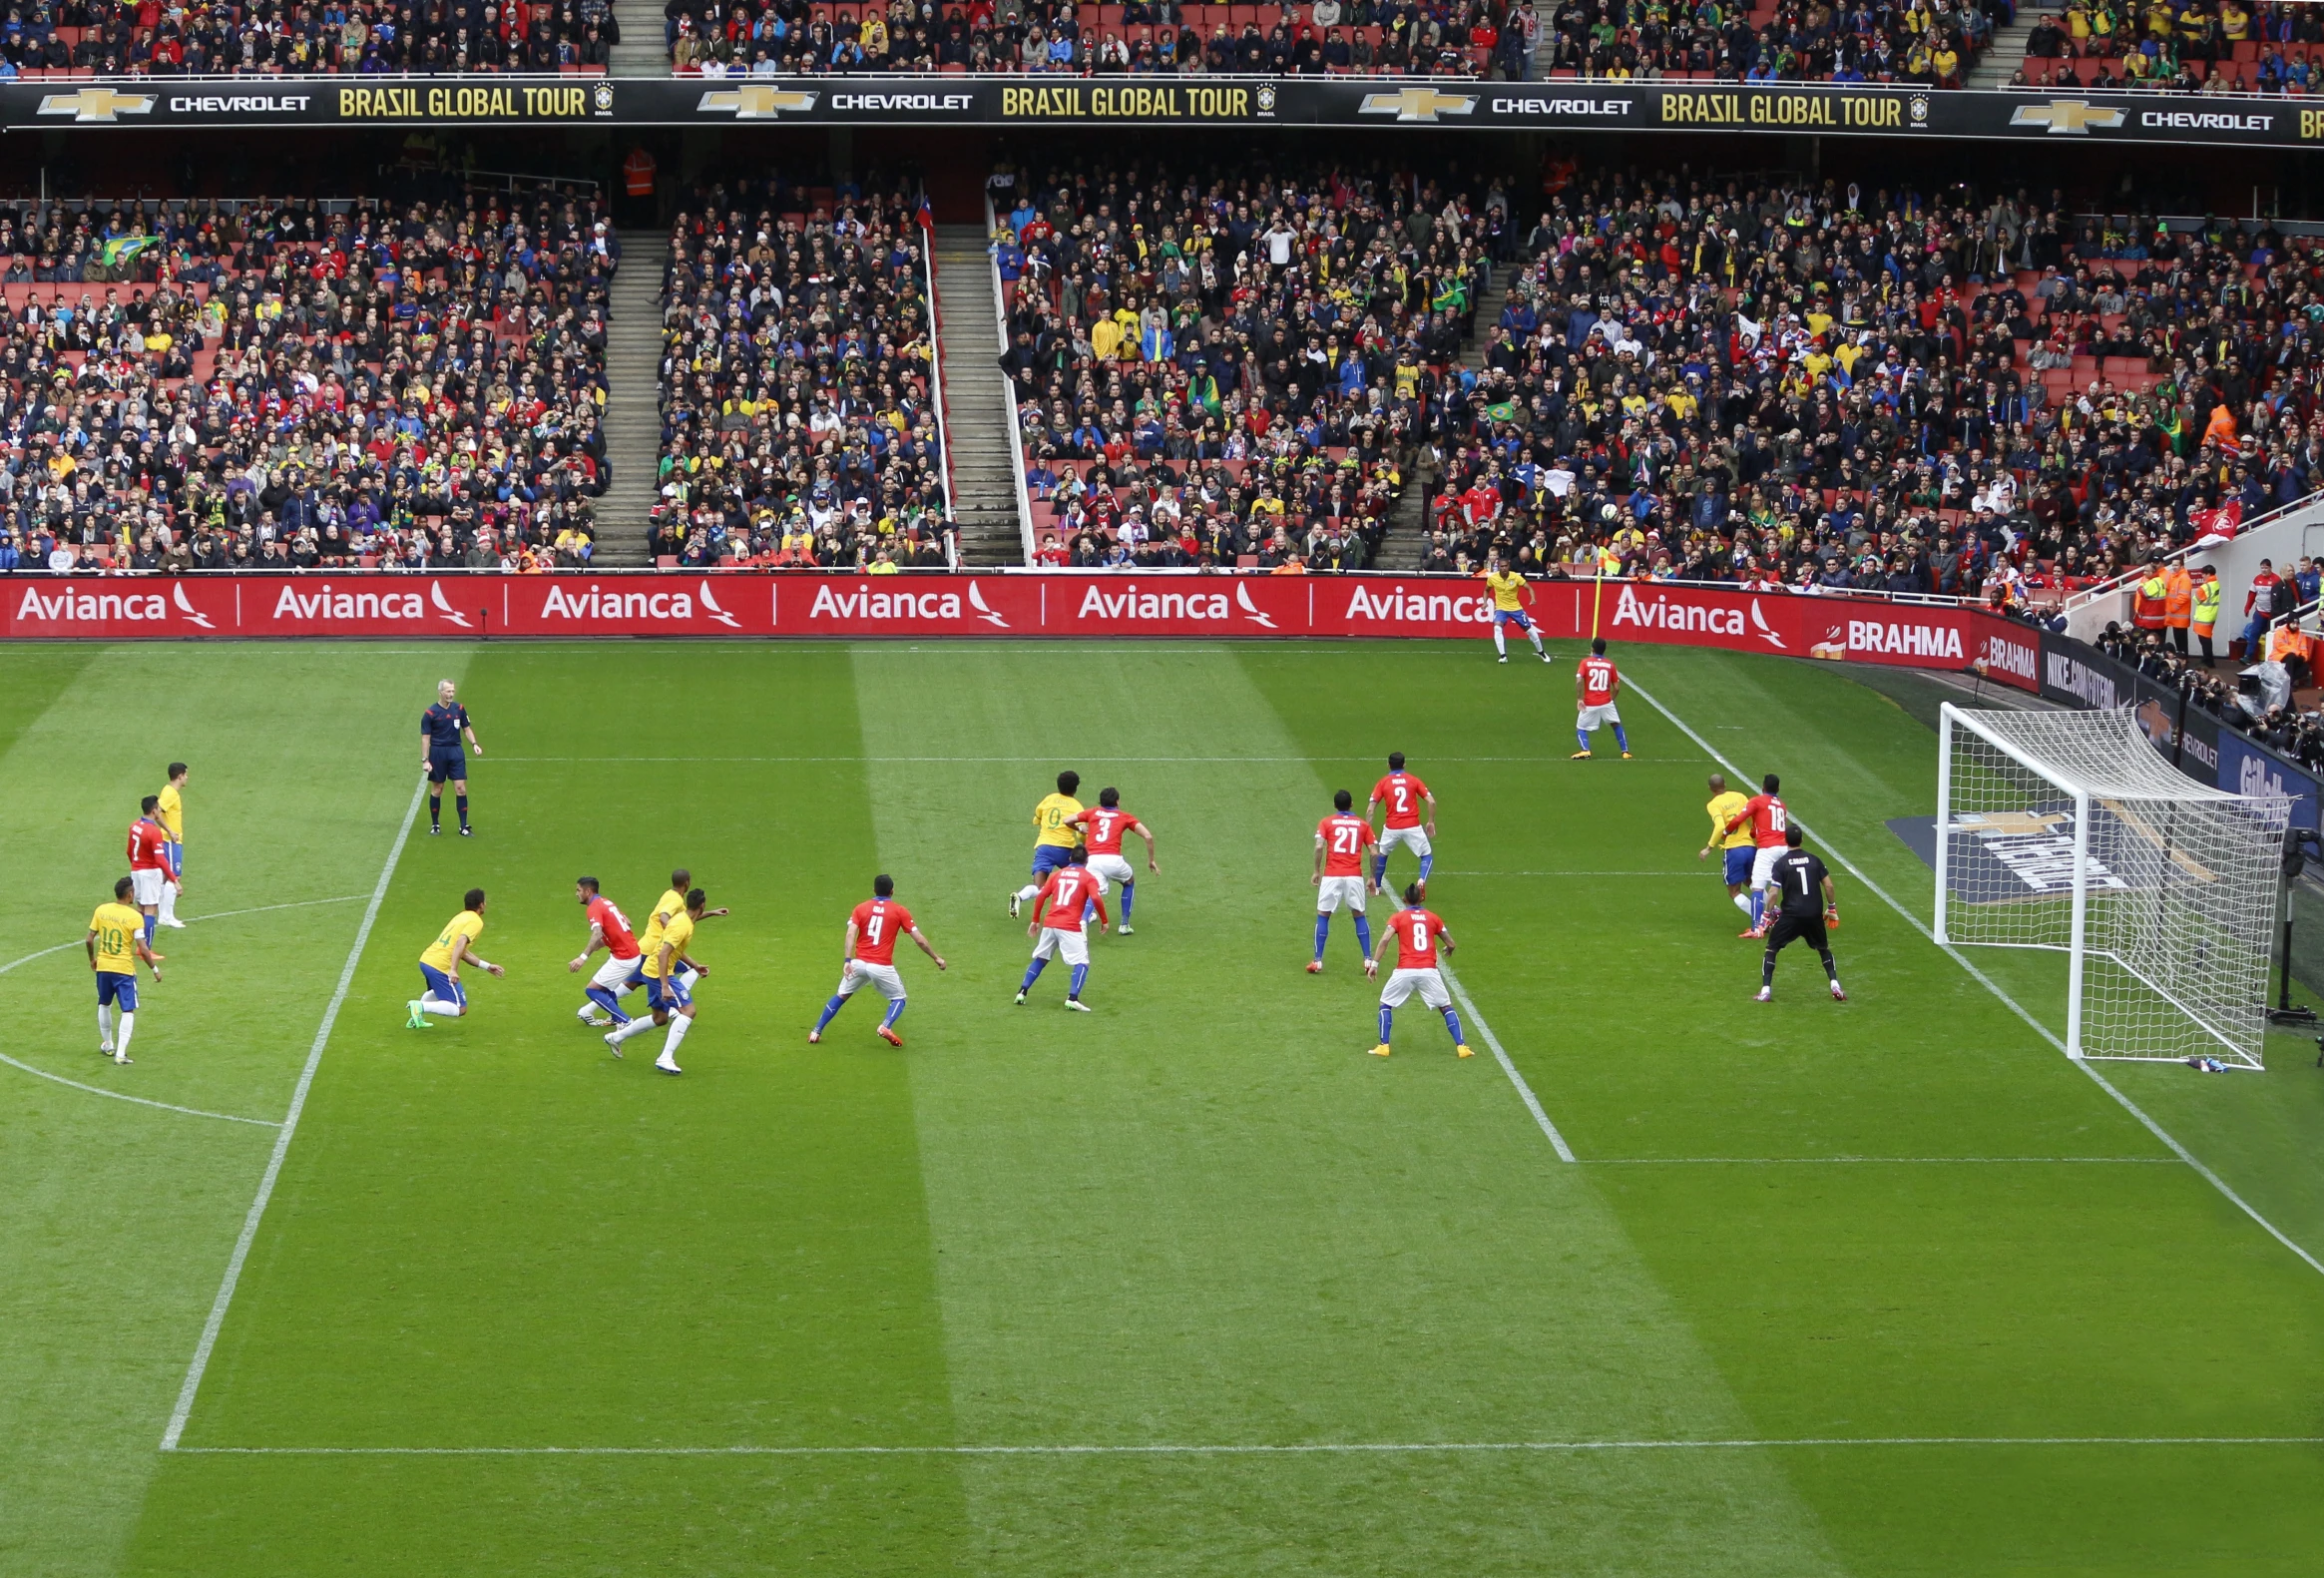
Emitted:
pixel 1789 927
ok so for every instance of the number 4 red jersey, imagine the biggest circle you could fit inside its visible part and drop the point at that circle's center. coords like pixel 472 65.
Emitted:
pixel 1344 839
pixel 1416 933
pixel 1403 794
pixel 878 922
pixel 1598 679
pixel 1768 817
pixel 1105 829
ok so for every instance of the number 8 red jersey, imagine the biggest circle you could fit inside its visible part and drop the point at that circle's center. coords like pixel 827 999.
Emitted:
pixel 1416 933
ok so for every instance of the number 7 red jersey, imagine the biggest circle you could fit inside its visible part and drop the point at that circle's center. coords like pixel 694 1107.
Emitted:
pixel 878 922
pixel 1768 817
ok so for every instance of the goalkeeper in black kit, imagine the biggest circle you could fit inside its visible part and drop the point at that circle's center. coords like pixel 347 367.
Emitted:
pixel 1807 907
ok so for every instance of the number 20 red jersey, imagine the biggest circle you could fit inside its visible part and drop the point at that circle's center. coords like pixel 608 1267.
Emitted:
pixel 878 922
pixel 1596 682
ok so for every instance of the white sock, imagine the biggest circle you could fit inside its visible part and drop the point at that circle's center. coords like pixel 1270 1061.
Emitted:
pixel 1537 641
pixel 104 1024
pixel 1499 642
pixel 169 902
pixel 1027 893
pixel 679 1023
pixel 120 1041
pixel 1743 904
pixel 687 977
pixel 433 1004
pixel 636 1028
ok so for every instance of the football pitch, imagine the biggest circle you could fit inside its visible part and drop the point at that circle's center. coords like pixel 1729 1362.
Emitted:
pixel 1188 1284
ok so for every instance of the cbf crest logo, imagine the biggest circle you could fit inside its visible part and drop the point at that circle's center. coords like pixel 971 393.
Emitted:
pixel 604 98
pixel 1919 109
pixel 1267 98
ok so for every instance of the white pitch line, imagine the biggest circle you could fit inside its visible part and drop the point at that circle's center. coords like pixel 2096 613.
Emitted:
pixel 282 1138
pixel 1705 872
pixel 1001 760
pixel 1298 1449
pixel 1875 1161
pixel 1492 1043
pixel 1992 986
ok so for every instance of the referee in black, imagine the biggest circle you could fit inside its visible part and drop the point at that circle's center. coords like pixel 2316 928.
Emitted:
pixel 1808 907
pixel 441 726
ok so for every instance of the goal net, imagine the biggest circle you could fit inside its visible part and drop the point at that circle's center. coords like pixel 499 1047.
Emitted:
pixel 2068 830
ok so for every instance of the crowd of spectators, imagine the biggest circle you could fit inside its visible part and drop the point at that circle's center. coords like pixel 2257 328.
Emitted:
pixel 2259 691
pixel 797 424
pixel 298 385
pixel 112 38
pixel 1459 38
pixel 2188 46
pixel 1931 43
pixel 1231 370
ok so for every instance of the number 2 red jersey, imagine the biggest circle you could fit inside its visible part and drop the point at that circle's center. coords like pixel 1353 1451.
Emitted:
pixel 1069 888
pixel 1416 933
pixel 1768 821
pixel 878 922
pixel 1403 794
pixel 1598 677
pixel 1105 829
pixel 613 926
pixel 1344 839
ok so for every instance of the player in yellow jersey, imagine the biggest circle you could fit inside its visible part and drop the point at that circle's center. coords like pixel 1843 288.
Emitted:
pixel 667 970
pixel 170 812
pixel 666 908
pixel 1725 805
pixel 1511 593
pixel 440 964
pixel 1056 834
pixel 117 940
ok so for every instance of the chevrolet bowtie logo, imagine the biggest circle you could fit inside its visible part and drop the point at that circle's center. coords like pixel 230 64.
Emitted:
pixel 1417 104
pixel 96 103
pixel 756 103
pixel 2066 117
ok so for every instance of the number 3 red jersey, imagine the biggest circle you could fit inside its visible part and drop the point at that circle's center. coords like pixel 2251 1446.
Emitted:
pixel 1105 829
pixel 1596 682
pixel 1768 817
pixel 878 922
pixel 613 926
pixel 1416 933
pixel 1403 794
pixel 1343 837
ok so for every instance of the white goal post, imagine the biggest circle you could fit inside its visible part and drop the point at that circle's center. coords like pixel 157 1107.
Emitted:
pixel 2068 831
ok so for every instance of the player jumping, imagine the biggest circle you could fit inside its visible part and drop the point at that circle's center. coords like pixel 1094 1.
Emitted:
pixel 1511 593
pixel 1055 835
pixel 667 993
pixel 1768 822
pixel 1725 804
pixel 170 812
pixel 115 942
pixel 1340 842
pixel 624 967
pixel 1596 684
pixel 869 957
pixel 1104 829
pixel 1807 905
pixel 441 726
pixel 150 868
pixel 1403 793
pixel 1419 934
pixel 440 965
pixel 1057 928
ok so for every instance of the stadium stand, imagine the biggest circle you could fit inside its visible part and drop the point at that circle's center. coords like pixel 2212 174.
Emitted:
pixel 299 384
pixel 1877 41
pixel 113 38
pixel 2229 47
pixel 798 426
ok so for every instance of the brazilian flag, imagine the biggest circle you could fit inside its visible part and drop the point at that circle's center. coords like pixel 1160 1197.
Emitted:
pixel 124 248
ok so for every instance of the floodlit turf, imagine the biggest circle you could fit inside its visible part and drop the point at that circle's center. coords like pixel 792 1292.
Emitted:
pixel 1885 1287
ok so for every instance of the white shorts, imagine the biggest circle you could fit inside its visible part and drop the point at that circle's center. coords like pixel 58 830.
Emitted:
pixel 147 883
pixel 1597 718
pixel 859 974
pixel 1057 942
pixel 1113 867
pixel 1337 890
pixel 1763 864
pixel 619 975
pixel 1411 838
pixel 1403 983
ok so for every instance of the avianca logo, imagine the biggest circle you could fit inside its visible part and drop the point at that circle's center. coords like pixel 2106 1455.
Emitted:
pixel 1765 630
pixel 866 602
pixel 327 602
pixel 178 596
pixel 436 596
pixel 1664 612
pixel 711 607
pixel 613 605
pixel 1397 606
pixel 73 606
pixel 1136 604
pixel 976 600
pixel 1243 602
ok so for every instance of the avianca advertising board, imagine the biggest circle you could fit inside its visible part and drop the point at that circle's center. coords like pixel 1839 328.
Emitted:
pixel 1082 603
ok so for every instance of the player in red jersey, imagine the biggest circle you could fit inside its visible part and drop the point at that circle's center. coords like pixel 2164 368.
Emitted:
pixel 150 863
pixel 1596 684
pixel 1420 936
pixel 624 964
pixel 1057 924
pixel 1770 822
pixel 1404 795
pixel 1340 842
pixel 869 957
pixel 1102 830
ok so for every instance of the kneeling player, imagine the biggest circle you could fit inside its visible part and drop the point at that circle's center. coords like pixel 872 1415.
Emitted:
pixel 667 993
pixel 1419 934
pixel 117 941
pixel 1808 907
pixel 1340 842
pixel 623 969
pixel 440 964
pixel 869 957
pixel 1056 925
pixel 1105 829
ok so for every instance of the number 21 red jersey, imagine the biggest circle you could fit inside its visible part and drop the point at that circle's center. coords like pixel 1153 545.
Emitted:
pixel 1416 933
pixel 878 922
pixel 1596 682
pixel 1403 794
pixel 1343 839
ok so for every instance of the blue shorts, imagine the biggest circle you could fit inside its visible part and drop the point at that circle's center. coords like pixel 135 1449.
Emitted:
pixel 442 988
pixel 1048 857
pixel 1512 616
pixel 113 988
pixel 444 764
pixel 177 859
pixel 1739 866
pixel 667 995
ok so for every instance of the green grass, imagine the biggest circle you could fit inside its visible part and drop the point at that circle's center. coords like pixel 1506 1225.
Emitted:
pixel 514 1306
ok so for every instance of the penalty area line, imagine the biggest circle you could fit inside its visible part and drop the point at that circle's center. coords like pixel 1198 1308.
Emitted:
pixel 282 1138
pixel 1492 1044
pixel 1992 986
pixel 1292 1450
